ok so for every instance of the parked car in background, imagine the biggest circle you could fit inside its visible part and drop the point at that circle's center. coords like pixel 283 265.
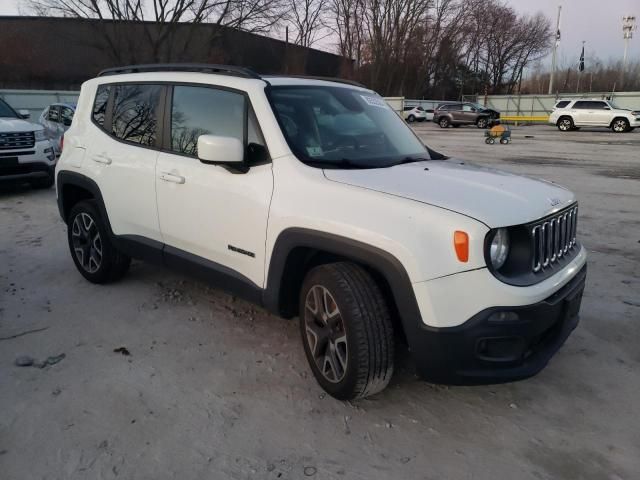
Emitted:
pixel 56 119
pixel 465 113
pixel 414 114
pixel 572 114
pixel 25 152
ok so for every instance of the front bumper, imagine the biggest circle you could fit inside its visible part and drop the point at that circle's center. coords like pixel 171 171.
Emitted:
pixel 25 164
pixel 486 349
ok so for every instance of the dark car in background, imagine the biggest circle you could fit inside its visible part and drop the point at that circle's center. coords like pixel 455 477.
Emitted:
pixel 465 113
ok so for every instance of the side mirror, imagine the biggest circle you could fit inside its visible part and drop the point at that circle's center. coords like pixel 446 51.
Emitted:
pixel 607 108
pixel 24 114
pixel 217 149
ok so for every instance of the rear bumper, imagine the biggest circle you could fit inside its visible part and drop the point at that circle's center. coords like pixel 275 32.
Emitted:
pixel 486 349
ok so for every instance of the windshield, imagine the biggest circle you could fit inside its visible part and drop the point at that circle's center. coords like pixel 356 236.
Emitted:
pixel 6 110
pixel 337 127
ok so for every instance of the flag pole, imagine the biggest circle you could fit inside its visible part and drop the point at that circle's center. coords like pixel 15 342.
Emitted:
pixel 555 52
pixel 580 67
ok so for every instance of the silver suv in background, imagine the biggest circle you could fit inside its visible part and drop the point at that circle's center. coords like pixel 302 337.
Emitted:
pixel 572 114
pixel 26 155
pixel 56 119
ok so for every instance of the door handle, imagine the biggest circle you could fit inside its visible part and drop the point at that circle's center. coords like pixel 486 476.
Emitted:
pixel 101 158
pixel 172 177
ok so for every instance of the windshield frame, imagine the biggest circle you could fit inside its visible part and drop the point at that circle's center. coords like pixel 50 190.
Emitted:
pixel 303 157
pixel 11 109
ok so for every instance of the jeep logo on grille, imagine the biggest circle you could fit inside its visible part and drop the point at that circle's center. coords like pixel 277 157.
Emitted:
pixel 554 201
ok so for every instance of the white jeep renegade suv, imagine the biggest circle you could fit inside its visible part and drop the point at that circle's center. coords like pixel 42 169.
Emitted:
pixel 314 199
pixel 572 114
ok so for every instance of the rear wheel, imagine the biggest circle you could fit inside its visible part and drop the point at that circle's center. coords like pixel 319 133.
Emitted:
pixel 620 125
pixel 346 331
pixel 444 122
pixel 95 257
pixel 565 124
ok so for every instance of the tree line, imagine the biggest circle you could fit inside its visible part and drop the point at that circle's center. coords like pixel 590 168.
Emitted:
pixel 436 49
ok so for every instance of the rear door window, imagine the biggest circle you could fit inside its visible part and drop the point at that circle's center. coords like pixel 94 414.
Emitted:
pixel 135 113
pixel 582 105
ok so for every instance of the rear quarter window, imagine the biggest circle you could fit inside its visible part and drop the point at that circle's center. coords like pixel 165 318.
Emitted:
pixel 562 104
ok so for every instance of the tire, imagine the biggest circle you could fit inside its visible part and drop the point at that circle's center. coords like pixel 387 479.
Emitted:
pixel 504 141
pixel 95 257
pixel 42 183
pixel 620 125
pixel 411 119
pixel 491 140
pixel 444 122
pixel 482 122
pixel 355 359
pixel 488 141
pixel 565 124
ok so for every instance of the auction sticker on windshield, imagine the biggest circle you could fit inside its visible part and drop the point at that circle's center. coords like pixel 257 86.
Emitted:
pixel 375 101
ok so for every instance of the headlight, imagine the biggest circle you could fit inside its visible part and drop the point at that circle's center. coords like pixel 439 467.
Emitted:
pixel 40 136
pixel 499 248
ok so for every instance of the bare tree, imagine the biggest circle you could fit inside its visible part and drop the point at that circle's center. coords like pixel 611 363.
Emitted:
pixel 307 17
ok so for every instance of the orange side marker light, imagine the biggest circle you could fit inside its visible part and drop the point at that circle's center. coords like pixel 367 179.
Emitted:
pixel 461 245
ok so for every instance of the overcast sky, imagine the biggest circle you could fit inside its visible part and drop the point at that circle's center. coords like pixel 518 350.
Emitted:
pixel 598 22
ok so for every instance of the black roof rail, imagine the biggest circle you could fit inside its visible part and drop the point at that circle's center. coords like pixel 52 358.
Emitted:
pixel 315 77
pixel 183 67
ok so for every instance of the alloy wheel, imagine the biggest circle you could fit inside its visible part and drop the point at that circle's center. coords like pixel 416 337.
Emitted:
pixel 619 126
pixel 87 244
pixel 325 334
pixel 565 125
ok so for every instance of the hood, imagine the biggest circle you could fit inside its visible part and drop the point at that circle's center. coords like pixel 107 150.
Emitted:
pixel 17 125
pixel 496 198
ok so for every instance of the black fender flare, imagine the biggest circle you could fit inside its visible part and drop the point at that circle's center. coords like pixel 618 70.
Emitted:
pixel 65 178
pixel 373 257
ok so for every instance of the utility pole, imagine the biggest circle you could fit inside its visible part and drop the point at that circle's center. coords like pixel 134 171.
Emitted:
pixel 555 52
pixel 628 26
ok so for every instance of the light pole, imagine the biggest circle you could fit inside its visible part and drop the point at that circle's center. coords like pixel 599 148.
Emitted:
pixel 628 26
pixel 555 52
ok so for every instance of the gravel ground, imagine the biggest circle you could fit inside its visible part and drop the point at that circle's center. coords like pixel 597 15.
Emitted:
pixel 213 387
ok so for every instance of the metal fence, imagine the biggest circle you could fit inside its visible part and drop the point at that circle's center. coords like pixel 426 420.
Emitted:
pixel 37 100
pixel 541 105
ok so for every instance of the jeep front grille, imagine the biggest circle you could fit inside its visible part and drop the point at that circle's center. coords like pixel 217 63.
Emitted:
pixel 11 140
pixel 554 238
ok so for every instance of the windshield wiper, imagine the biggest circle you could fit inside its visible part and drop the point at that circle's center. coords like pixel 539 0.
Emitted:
pixel 411 160
pixel 342 163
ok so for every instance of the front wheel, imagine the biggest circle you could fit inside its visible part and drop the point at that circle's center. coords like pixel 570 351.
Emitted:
pixel 620 125
pixel 482 123
pixel 346 331
pixel 95 257
pixel 443 122
pixel 565 124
